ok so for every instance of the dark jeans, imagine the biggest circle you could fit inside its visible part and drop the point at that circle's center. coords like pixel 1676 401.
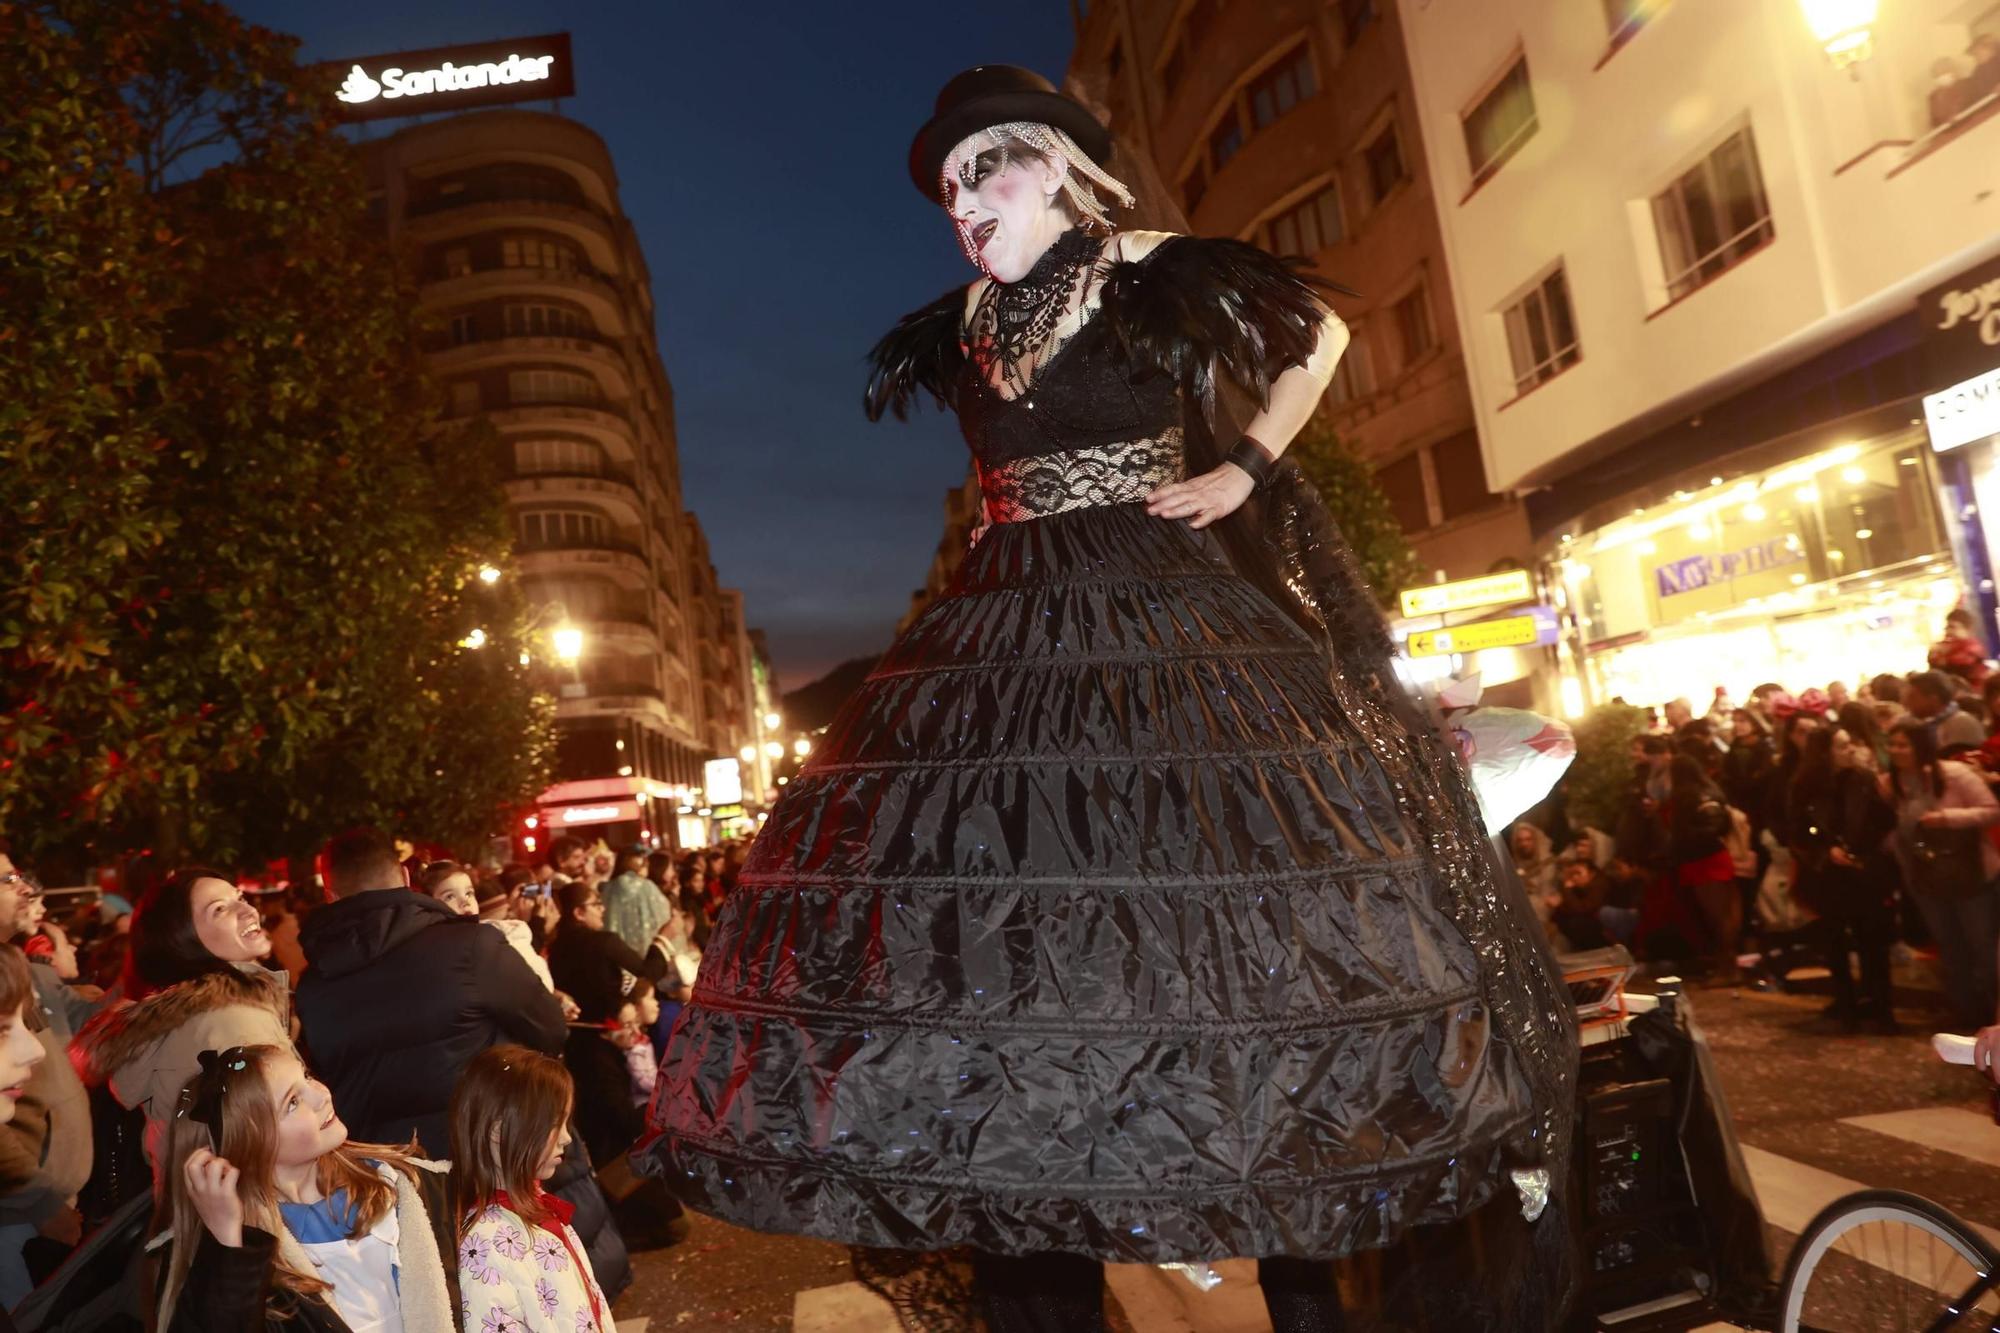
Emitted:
pixel 1064 1293
pixel 1867 933
pixel 1967 931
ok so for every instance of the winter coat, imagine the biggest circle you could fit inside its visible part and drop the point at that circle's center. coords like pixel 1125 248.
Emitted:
pixel 45 1150
pixel 230 1290
pixel 1851 813
pixel 399 994
pixel 528 1279
pixel 1748 771
pixel 590 966
pixel 145 1051
pixel 1967 803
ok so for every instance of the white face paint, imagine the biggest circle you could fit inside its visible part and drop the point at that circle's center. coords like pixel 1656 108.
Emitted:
pixel 1004 204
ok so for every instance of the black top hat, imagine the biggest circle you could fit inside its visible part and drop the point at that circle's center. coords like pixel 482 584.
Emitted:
pixel 989 95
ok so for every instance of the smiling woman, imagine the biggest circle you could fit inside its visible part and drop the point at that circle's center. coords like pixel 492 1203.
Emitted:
pixel 194 981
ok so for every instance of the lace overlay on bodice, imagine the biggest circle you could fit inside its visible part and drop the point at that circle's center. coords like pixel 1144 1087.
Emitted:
pixel 1075 426
pixel 1043 484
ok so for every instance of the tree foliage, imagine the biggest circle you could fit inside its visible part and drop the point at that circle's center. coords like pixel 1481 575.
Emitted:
pixel 1359 506
pixel 241 543
pixel 1597 782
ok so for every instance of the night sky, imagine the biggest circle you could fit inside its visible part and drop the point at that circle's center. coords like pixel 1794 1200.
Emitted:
pixel 760 154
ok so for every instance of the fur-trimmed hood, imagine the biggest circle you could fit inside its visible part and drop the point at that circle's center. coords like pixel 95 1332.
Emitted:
pixel 120 1037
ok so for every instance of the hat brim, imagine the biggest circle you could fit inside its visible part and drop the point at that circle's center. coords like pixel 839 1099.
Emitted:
pixel 946 131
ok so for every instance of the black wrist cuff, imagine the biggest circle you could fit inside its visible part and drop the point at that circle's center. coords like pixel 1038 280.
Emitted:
pixel 1253 458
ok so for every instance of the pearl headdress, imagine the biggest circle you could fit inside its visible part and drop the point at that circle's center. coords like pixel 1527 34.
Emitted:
pixel 1083 173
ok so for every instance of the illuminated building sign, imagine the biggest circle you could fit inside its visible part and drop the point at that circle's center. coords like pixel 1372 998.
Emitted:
pixel 1696 572
pixel 455 78
pixel 1964 412
pixel 722 782
pixel 1515 585
pixel 570 815
pixel 1537 627
pixel 1961 323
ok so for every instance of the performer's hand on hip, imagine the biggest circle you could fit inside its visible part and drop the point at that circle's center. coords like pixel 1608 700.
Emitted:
pixel 1202 500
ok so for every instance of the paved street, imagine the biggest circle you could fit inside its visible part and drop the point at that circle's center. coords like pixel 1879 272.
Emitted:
pixel 1820 1114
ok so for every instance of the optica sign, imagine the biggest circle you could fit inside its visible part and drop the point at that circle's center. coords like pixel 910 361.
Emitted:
pixel 1513 585
pixel 455 78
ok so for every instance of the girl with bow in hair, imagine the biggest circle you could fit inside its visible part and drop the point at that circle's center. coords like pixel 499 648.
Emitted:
pixel 272 1219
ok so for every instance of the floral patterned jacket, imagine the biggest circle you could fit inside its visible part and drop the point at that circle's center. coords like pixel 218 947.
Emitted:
pixel 517 1278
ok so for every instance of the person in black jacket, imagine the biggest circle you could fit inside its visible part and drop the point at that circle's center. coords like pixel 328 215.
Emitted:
pixel 592 965
pixel 1839 823
pixel 400 992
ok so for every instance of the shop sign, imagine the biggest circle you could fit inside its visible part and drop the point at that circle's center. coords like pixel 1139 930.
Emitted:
pixel 722 782
pixel 1696 572
pixel 1964 412
pixel 455 78
pixel 1961 322
pixel 570 816
pixel 1514 585
pixel 1537 627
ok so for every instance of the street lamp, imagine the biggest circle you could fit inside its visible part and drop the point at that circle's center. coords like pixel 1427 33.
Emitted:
pixel 488 574
pixel 568 640
pixel 775 749
pixel 476 639
pixel 1842 29
pixel 771 721
pixel 802 747
pixel 748 754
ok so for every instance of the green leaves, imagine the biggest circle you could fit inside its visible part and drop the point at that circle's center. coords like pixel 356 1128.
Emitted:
pixel 1359 506
pixel 238 539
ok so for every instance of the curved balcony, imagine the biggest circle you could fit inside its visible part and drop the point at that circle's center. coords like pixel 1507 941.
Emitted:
pixel 458 215
pixel 626 634
pixel 611 558
pixel 595 293
pixel 604 424
pixel 614 495
pixel 641 701
pixel 598 356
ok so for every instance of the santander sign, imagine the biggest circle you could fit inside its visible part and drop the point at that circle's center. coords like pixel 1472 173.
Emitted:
pixel 360 87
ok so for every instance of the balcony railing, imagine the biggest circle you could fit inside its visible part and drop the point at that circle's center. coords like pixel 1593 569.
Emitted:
pixel 499 192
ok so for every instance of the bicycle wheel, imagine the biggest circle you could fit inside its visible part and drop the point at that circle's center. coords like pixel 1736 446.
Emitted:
pixel 1882 1261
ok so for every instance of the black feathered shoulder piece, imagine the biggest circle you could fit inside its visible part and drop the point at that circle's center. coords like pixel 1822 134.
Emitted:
pixel 923 351
pixel 1194 303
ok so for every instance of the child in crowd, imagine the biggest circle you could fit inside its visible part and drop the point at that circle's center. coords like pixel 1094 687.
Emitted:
pixel 275 1221
pixel 521 1267
pixel 636 1018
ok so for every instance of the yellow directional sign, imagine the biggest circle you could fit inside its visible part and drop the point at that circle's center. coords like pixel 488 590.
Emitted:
pixel 1511 632
pixel 1515 585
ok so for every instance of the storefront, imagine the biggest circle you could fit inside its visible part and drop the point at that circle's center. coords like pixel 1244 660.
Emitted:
pixel 1837 564
pixel 1961 329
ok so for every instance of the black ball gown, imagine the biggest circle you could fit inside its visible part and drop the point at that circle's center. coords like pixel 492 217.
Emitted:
pixel 1128 909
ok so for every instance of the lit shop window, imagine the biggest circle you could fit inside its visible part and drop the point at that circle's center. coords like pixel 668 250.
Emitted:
pixel 1713 216
pixel 1500 122
pixel 1541 333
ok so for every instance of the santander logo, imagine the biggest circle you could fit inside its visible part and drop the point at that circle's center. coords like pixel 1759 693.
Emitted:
pixel 359 87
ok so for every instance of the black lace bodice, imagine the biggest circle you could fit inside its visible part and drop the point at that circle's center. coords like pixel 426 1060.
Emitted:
pixel 1085 396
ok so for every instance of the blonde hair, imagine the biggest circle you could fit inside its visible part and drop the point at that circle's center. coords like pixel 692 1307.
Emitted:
pixel 249 1121
pixel 1044 141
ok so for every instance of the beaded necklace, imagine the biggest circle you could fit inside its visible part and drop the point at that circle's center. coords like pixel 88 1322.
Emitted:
pixel 1018 317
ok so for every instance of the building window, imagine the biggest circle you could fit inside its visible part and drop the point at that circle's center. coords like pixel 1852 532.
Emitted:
pixel 1541 333
pixel 1383 158
pixel 1196 184
pixel 544 528
pixel 540 252
pixel 551 386
pixel 1310 225
pixel 558 457
pixel 1354 16
pixel 1501 122
pixel 527 321
pixel 1225 138
pixel 464 397
pixel 1175 68
pixel 1714 216
pixel 1354 373
pixel 1461 477
pixel 457 262
pixel 461 330
pixel 1403 483
pixel 1282 87
pixel 1415 334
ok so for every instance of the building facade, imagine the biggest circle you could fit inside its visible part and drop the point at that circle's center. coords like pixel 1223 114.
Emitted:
pixel 1292 124
pixel 544 309
pixel 1696 262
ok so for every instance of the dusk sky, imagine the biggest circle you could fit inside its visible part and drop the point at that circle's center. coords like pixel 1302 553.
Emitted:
pixel 760 154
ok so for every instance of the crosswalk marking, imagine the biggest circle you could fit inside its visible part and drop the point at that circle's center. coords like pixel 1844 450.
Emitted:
pixel 1941 1128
